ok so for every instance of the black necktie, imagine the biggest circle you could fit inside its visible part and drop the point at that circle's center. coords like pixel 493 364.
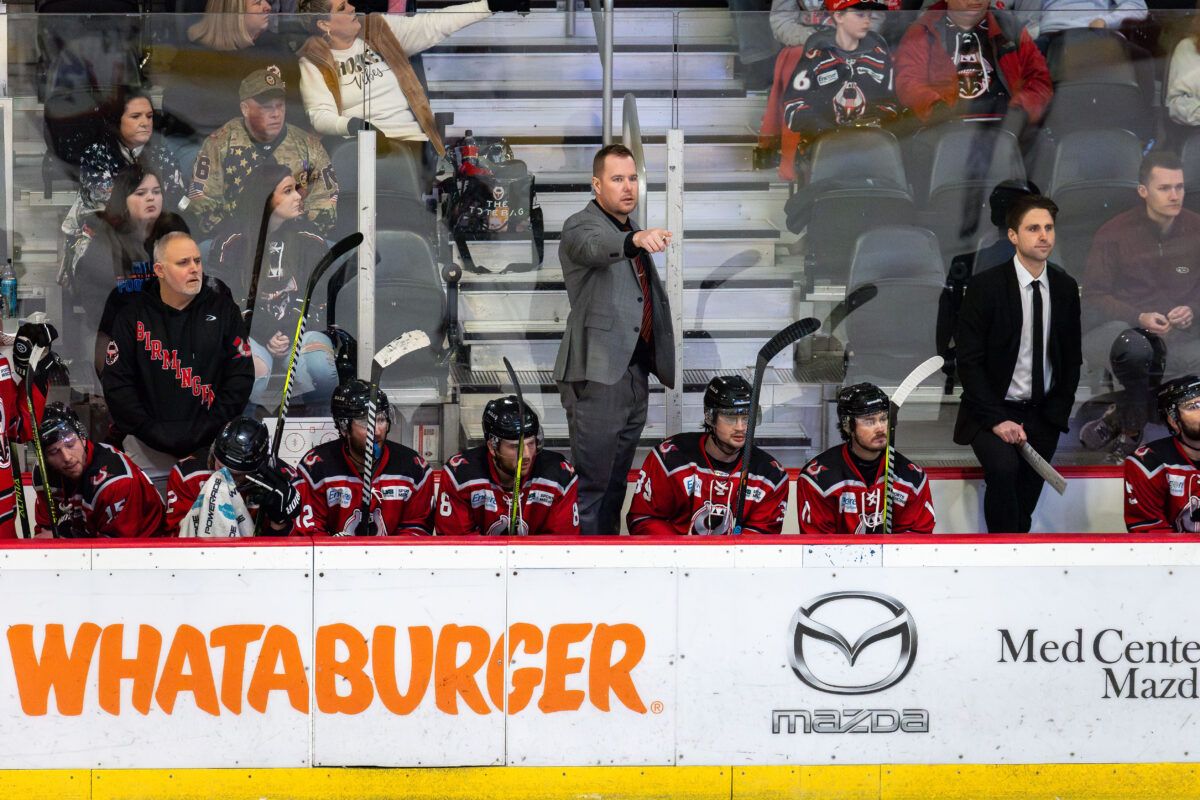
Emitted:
pixel 1039 369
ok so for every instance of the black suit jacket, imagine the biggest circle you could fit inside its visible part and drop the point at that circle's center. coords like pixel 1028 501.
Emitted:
pixel 988 338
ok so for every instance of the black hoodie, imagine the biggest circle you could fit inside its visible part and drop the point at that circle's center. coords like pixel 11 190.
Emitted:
pixel 174 378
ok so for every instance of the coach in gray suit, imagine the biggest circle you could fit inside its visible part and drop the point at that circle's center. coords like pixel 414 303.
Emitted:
pixel 618 333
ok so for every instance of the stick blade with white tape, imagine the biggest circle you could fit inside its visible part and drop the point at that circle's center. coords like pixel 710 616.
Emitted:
pixel 1042 467
pixel 398 348
pixel 923 371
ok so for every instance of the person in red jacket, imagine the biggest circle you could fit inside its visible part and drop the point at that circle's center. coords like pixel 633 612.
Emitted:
pixel 689 483
pixel 477 484
pixel 841 490
pixel 401 488
pixel 1162 483
pixel 98 491
pixel 960 60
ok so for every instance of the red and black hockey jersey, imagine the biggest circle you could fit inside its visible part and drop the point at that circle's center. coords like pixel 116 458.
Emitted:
pixel 1162 489
pixel 472 500
pixel 186 481
pixel 833 496
pixel 680 491
pixel 402 492
pixel 833 88
pixel 14 428
pixel 112 498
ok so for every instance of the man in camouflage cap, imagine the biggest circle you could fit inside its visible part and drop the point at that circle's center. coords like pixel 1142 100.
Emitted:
pixel 230 155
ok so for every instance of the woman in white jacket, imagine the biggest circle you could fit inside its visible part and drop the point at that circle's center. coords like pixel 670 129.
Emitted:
pixel 1183 81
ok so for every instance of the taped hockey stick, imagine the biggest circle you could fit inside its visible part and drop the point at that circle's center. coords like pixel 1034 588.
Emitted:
pixel 252 293
pixel 1042 467
pixel 858 297
pixel 922 372
pixel 18 490
pixel 335 254
pixel 396 349
pixel 789 335
pixel 35 358
pixel 514 514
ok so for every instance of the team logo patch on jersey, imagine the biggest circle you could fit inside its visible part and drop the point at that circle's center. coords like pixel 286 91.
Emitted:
pixel 814 469
pixel 395 493
pixel 541 498
pixel 482 498
pixel 1175 482
pixel 100 476
pixel 456 462
pixel 826 78
pixel 849 504
pixel 111 353
pixel 691 485
pixel 667 447
pixel 755 494
pixel 5 372
pixel 338 496
pixel 721 488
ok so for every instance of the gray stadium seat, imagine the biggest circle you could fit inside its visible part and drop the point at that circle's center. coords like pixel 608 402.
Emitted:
pixel 897 329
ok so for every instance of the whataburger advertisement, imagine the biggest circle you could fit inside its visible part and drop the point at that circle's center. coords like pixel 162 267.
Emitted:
pixel 611 665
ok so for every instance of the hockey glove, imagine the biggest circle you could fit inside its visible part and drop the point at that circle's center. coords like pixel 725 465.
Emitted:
pixel 277 497
pixel 31 336
pixel 509 5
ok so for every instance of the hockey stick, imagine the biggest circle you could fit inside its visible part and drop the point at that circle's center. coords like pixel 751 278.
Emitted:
pixel 915 378
pixel 335 253
pixel 838 315
pixel 396 349
pixel 514 514
pixel 789 335
pixel 18 490
pixel 1042 467
pixel 34 358
pixel 252 293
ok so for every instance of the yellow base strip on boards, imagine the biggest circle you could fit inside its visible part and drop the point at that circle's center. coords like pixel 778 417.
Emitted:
pixel 475 783
pixel 792 783
pixel 45 784
pixel 1037 781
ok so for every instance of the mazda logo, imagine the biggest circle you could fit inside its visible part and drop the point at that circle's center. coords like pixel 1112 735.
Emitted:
pixel 901 624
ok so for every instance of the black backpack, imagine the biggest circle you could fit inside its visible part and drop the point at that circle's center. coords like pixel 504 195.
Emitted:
pixel 487 195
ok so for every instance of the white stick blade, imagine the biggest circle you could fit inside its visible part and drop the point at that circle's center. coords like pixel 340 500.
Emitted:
pixel 916 378
pixel 401 346
pixel 1052 476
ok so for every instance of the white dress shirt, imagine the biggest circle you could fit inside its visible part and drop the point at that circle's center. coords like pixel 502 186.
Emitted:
pixel 1021 386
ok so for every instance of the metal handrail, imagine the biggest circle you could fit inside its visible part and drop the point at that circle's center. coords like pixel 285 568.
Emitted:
pixel 570 17
pixel 602 19
pixel 631 135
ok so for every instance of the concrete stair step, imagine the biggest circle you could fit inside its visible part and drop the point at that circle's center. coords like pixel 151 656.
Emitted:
pixel 631 27
pixel 703 258
pixel 511 68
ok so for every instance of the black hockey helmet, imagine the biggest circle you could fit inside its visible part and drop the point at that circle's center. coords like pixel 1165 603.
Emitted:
pixel 1176 391
pixel 859 400
pixel 59 422
pixel 242 445
pixel 350 400
pixel 1004 195
pixel 726 394
pixel 502 420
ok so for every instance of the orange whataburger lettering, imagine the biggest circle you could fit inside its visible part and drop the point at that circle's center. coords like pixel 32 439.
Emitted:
pixel 461 666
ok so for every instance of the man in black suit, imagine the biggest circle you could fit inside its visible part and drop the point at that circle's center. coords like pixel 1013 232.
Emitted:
pixel 1019 355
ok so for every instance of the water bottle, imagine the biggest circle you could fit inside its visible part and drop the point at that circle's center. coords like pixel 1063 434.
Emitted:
pixel 8 289
pixel 468 153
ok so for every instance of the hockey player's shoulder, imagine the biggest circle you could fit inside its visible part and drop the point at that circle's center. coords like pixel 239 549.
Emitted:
pixel 405 461
pixel 468 465
pixel 1159 453
pixel 191 467
pixel 554 466
pixel 764 464
pixel 825 469
pixel 680 449
pixel 108 464
pixel 322 460
pixel 908 472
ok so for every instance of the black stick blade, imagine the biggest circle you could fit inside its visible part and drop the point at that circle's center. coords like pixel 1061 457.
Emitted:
pixel 335 254
pixel 789 335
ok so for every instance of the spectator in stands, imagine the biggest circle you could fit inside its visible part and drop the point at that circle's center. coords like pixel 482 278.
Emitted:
pixel 1140 295
pixel 178 366
pixel 960 60
pixel 689 484
pixel 344 56
pixel 290 252
pixel 842 489
pixel 1183 78
pixel 756 47
pixel 98 491
pixel 128 138
pixel 793 21
pixel 844 78
pixel 231 40
pixel 117 244
pixel 402 490
pixel 618 332
pixel 235 489
pixel 1161 488
pixel 476 495
pixel 1043 18
pixel 261 135
pixel 1018 360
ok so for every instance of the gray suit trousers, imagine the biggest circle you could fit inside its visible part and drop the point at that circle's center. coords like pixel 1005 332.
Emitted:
pixel 605 423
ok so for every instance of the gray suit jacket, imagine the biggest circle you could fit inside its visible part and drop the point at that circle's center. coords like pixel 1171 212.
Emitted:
pixel 606 304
